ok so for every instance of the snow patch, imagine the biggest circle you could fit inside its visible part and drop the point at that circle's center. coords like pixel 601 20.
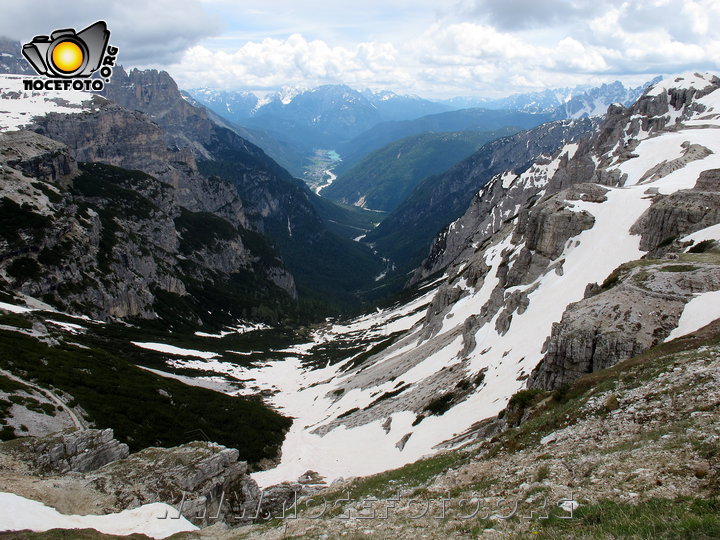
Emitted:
pixel 685 80
pixel 14 309
pixel 240 329
pixel 156 520
pixel 68 327
pixel 18 107
pixel 698 312
pixel 709 233
pixel 171 349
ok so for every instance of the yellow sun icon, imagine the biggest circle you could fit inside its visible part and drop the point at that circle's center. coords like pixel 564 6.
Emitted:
pixel 67 56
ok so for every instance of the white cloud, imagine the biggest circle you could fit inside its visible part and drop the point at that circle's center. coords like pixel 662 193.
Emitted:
pixel 470 47
pixel 469 43
pixel 271 63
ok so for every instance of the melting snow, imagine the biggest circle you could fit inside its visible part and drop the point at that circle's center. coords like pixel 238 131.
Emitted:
pixel 177 351
pixel 240 329
pixel 653 151
pixel 685 80
pixel 709 233
pixel 18 107
pixel 18 513
pixel 698 312
pixel 69 327
pixel 14 309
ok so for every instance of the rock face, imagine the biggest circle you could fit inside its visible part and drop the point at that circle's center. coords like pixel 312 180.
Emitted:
pixel 632 314
pixel 38 157
pixel 200 479
pixel 105 262
pixel 105 241
pixel 156 94
pixel 268 192
pixel 125 138
pixel 680 213
pixel 11 59
pixel 440 199
pixel 72 451
pixel 592 159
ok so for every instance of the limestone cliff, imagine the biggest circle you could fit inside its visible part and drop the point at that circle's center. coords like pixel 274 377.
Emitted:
pixel 109 242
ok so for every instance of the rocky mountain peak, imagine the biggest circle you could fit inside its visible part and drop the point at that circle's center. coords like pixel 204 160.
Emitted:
pixel 149 87
pixel 11 59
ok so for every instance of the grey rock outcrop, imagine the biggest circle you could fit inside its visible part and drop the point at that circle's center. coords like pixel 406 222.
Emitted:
pixel 202 480
pixel 285 500
pixel 71 451
pixel 38 157
pixel 628 317
pixel 708 181
pixel 679 214
pixel 547 227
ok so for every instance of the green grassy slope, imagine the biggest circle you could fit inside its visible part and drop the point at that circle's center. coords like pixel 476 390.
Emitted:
pixel 384 178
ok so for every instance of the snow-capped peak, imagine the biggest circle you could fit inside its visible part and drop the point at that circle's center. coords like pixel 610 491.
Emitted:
pixel 288 93
pixel 686 81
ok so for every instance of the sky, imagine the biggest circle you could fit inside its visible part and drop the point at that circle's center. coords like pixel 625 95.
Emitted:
pixel 435 49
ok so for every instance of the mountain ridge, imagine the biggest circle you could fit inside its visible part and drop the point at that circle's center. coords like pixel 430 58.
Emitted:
pixel 552 244
pixel 406 233
pixel 384 178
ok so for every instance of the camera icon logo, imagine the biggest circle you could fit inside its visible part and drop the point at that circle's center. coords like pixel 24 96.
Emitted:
pixel 68 54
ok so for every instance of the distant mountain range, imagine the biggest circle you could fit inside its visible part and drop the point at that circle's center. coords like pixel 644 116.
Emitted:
pixel 447 122
pixel 381 178
pixel 578 102
pixel 291 124
pixel 238 106
pixel 385 177
pixel 320 117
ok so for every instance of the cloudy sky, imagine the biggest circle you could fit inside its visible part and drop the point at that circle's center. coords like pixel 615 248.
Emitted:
pixel 430 48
